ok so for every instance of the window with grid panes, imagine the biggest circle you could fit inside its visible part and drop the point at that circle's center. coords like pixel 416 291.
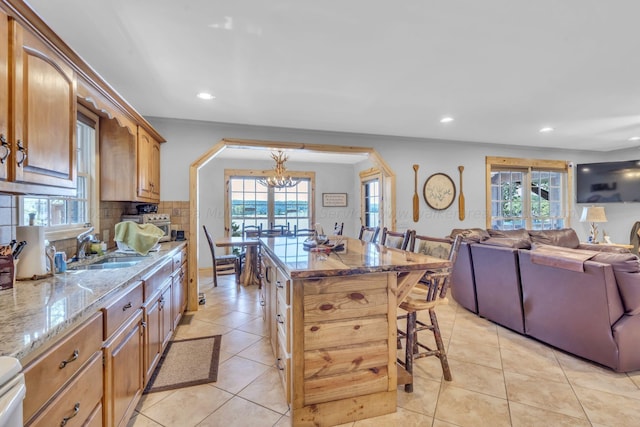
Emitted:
pixel 527 194
pixel 251 203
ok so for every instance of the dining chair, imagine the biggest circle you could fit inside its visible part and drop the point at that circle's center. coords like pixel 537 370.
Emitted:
pixel 369 234
pixel 396 239
pixel 308 232
pixel 284 229
pixel 222 263
pixel 429 293
pixel 251 230
pixel 338 228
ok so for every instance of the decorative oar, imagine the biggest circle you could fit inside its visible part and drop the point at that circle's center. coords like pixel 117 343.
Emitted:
pixel 461 197
pixel 416 199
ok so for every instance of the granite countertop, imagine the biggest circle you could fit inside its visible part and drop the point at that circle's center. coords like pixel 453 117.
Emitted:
pixel 35 312
pixel 359 257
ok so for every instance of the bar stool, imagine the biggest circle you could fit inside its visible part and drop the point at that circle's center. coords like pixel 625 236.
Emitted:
pixel 430 292
pixel 396 239
pixel 368 234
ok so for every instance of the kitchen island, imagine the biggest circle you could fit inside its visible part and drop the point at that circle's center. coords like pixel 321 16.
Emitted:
pixel 332 322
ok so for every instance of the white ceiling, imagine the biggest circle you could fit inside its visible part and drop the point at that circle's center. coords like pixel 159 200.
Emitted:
pixel 502 68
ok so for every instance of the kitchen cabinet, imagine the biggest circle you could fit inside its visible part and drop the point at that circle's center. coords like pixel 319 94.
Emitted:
pixel 157 315
pixel 148 166
pixel 123 356
pixel 129 164
pixel 62 368
pixel 179 287
pixel 37 144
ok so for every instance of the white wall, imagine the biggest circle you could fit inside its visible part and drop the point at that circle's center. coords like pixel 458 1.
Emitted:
pixel 188 140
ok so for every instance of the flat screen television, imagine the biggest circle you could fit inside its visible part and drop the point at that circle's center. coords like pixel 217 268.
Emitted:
pixel 609 182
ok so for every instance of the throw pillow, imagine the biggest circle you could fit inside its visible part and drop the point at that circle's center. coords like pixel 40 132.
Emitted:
pixel 507 242
pixel 565 237
pixel 626 268
pixel 513 234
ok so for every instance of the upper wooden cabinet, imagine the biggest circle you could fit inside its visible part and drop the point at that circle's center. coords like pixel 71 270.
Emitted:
pixel 38 109
pixel 148 166
pixel 129 164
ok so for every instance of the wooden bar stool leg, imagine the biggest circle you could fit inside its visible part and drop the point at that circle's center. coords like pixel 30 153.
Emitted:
pixel 442 354
pixel 410 348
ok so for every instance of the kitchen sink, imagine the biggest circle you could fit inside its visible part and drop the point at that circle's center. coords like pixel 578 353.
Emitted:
pixel 110 263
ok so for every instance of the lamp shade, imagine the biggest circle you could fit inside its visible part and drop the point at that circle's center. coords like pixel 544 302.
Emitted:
pixel 593 214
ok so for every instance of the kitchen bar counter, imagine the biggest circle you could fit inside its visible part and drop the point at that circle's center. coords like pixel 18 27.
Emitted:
pixel 332 322
pixel 33 313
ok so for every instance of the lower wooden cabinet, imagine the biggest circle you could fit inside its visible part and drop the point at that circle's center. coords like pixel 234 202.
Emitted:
pixel 123 362
pixel 75 406
pixel 51 373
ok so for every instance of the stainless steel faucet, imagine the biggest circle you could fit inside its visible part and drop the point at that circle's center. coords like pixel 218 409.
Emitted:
pixel 82 241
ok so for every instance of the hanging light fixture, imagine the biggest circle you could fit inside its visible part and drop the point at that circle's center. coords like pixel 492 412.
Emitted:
pixel 280 178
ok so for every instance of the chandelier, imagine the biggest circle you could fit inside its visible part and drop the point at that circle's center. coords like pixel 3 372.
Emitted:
pixel 280 179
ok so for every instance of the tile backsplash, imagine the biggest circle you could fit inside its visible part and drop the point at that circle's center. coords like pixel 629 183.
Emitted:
pixel 110 213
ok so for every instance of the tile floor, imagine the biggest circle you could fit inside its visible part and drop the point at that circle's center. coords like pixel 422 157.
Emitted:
pixel 500 378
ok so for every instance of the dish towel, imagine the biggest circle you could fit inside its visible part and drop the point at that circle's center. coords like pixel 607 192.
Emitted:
pixel 139 237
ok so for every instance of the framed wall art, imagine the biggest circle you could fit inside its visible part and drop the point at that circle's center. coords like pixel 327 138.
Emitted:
pixel 439 191
pixel 334 199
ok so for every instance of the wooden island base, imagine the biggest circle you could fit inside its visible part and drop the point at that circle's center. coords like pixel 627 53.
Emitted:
pixel 332 323
pixel 346 410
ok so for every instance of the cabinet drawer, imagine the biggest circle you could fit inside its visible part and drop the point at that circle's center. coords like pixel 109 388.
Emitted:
pixel 95 419
pixel 47 374
pixel 283 314
pixel 283 363
pixel 155 280
pixel 119 311
pixel 282 287
pixel 177 261
pixel 77 402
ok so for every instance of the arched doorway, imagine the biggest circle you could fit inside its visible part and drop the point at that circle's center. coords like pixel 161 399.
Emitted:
pixel 388 190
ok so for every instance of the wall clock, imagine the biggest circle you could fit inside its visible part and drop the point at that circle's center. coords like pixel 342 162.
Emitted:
pixel 439 191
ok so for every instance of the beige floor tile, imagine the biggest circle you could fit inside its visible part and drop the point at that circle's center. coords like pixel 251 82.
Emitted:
pixel 635 377
pixel 200 400
pixel 472 332
pixel 401 418
pixel 257 326
pixel 235 341
pixel 440 423
pixel 428 368
pixel 485 355
pixel 260 351
pixel 423 399
pixel 267 391
pixel 139 420
pixel 198 328
pixel 466 408
pixel 284 421
pixel 236 319
pixel 541 363
pixel 609 409
pixel 544 394
pixel 529 416
pixel 585 374
pixel 473 377
pixel 239 412
pixel 149 399
pixel 237 373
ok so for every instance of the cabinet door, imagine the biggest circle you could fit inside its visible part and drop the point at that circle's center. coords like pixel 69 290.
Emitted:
pixel 155 170
pixel 118 170
pixel 145 150
pixel 124 354
pixel 44 105
pixel 165 315
pixel 4 94
pixel 177 296
pixel 153 339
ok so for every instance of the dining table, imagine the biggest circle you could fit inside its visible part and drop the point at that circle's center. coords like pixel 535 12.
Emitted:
pixel 249 274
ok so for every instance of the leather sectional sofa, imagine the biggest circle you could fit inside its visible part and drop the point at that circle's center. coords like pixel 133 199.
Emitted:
pixel 580 298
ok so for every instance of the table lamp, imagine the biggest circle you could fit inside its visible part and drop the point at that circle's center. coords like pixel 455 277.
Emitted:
pixel 593 214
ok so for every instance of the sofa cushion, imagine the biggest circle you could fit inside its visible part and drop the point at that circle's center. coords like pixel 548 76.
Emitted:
pixel 626 268
pixel 565 237
pixel 603 248
pixel 470 234
pixel 512 234
pixel 507 242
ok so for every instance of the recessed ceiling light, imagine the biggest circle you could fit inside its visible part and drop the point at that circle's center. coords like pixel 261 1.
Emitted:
pixel 634 138
pixel 206 96
pixel 546 129
pixel 446 120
